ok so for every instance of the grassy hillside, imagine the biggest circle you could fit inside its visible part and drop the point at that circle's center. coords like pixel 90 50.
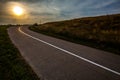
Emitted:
pixel 12 65
pixel 101 32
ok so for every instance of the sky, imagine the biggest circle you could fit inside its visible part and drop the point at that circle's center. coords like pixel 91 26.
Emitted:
pixel 41 11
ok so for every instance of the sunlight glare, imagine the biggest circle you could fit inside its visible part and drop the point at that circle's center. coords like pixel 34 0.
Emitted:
pixel 18 10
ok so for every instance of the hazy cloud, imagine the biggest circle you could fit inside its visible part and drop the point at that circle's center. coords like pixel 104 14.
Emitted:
pixel 52 10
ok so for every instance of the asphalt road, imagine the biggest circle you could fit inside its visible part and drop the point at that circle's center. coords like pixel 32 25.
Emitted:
pixel 55 59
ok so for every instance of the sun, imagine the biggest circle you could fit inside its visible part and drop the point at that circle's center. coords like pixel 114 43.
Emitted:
pixel 18 10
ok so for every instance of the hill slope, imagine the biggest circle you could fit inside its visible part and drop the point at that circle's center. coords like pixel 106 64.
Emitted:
pixel 101 32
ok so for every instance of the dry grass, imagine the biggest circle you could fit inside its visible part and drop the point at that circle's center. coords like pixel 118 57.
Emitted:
pixel 101 32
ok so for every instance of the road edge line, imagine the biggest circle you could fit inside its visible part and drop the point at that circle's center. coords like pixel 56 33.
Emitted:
pixel 70 53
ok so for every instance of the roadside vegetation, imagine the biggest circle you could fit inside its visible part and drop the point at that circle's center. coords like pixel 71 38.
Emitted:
pixel 12 64
pixel 102 32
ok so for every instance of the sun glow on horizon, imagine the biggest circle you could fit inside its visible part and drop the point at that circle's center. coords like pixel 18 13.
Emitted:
pixel 18 10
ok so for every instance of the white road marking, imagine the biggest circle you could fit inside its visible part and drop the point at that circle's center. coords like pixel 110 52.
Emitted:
pixel 96 64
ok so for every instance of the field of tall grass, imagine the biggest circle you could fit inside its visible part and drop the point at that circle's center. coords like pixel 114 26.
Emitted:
pixel 102 32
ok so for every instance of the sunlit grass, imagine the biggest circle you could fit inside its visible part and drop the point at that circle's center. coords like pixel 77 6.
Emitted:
pixel 99 32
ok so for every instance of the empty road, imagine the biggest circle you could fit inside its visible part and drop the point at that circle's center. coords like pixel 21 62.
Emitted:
pixel 55 59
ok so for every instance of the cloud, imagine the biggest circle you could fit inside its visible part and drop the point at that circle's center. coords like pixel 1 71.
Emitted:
pixel 53 10
pixel 99 4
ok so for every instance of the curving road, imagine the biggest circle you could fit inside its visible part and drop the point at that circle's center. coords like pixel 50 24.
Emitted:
pixel 55 59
